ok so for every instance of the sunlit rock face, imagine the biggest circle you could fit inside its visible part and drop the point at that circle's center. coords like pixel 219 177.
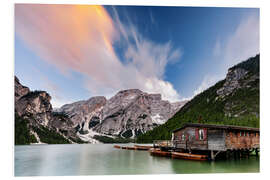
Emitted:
pixel 35 107
pixel 35 104
pixel 20 90
pixel 85 114
pixel 127 114
pixel 232 81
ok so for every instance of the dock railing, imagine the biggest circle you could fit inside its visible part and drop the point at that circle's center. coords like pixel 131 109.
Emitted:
pixel 171 144
pixel 165 143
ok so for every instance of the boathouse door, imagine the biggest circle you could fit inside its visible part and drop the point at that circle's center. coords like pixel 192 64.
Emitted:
pixel 216 139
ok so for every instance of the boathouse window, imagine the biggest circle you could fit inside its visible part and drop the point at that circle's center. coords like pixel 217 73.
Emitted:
pixel 183 137
pixel 201 134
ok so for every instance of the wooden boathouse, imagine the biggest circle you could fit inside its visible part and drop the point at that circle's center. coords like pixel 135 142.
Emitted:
pixel 212 140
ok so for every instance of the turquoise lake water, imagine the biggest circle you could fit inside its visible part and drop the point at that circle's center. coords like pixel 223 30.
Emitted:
pixel 103 159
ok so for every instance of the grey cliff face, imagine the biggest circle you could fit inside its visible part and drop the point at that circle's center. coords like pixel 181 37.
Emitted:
pixel 20 90
pixel 36 104
pixel 239 78
pixel 232 81
pixel 85 114
pixel 127 114
pixel 36 107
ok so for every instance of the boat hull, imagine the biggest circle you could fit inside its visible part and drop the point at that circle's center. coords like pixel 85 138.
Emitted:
pixel 116 146
pixel 156 152
pixel 197 157
pixel 143 148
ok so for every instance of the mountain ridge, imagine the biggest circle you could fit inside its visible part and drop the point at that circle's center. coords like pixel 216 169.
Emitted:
pixel 126 114
pixel 232 101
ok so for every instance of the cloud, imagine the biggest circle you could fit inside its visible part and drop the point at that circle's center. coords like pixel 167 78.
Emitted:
pixel 241 45
pixel 244 43
pixel 52 88
pixel 81 38
pixel 208 81
pixel 217 49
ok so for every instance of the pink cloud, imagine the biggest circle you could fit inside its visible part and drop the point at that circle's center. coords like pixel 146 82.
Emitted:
pixel 80 38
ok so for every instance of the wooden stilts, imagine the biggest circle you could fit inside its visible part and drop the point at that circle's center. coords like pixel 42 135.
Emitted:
pixel 212 156
pixel 227 154
pixel 257 154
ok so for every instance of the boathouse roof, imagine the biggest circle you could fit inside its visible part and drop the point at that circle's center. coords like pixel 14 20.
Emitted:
pixel 215 126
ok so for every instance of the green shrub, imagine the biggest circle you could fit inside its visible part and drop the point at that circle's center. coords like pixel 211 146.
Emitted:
pixel 22 132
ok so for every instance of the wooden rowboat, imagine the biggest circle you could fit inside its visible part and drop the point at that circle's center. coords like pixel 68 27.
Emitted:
pixel 116 146
pixel 158 152
pixel 179 155
pixel 143 148
pixel 130 148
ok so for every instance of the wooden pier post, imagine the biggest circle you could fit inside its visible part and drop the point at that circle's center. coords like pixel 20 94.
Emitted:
pixel 227 154
pixel 257 154
pixel 212 155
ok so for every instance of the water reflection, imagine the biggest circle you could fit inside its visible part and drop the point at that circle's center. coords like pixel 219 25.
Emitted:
pixel 219 166
pixel 103 159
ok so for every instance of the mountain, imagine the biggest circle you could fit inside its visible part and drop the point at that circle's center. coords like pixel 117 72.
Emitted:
pixel 125 115
pixel 232 101
pixel 35 122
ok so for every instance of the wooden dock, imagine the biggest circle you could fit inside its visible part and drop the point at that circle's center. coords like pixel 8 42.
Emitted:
pixel 135 147
pixel 161 153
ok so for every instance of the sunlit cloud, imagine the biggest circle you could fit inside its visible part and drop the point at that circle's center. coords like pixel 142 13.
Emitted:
pixel 80 38
pixel 244 43
pixel 241 45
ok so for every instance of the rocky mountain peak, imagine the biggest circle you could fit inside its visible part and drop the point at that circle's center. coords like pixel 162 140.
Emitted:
pixel 242 75
pixel 129 113
pixel 37 104
pixel 232 81
pixel 20 90
pixel 35 107
pixel 129 91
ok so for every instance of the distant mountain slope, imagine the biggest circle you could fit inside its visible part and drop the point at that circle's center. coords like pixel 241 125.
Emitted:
pixel 124 116
pixel 36 123
pixel 234 101
pixel 127 114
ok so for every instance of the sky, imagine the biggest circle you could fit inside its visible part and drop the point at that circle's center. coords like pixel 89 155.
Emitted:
pixel 75 52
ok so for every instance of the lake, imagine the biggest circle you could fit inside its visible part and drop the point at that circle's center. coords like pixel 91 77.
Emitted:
pixel 103 159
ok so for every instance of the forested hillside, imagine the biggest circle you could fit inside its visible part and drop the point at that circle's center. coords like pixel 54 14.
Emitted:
pixel 232 101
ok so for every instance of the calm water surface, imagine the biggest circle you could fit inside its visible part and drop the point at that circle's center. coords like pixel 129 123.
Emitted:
pixel 103 159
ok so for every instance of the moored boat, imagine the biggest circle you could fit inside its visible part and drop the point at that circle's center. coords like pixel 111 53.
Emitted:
pixel 179 155
pixel 144 148
pixel 116 146
pixel 158 152
pixel 130 148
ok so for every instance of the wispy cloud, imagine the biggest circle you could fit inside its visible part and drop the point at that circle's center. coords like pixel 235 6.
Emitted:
pixel 81 38
pixel 208 81
pixel 217 49
pixel 244 43
pixel 241 45
pixel 52 88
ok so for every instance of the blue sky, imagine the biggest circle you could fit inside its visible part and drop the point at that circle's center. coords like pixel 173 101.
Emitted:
pixel 79 52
